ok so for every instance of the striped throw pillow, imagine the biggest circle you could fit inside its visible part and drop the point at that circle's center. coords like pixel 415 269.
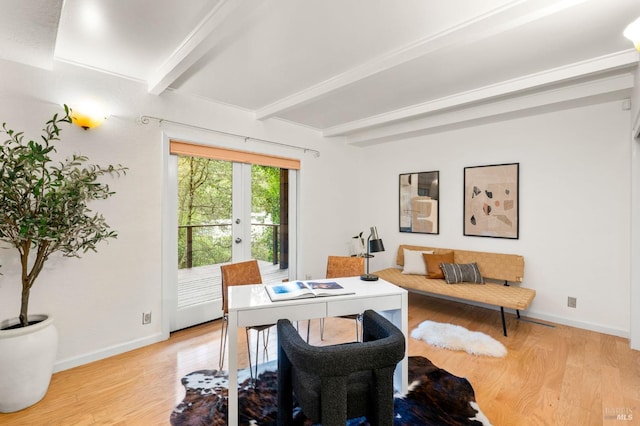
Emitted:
pixel 461 272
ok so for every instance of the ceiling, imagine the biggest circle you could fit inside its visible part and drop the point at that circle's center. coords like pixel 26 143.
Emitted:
pixel 368 70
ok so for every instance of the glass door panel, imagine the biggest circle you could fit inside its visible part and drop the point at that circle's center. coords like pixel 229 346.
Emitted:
pixel 269 223
pixel 227 212
pixel 205 190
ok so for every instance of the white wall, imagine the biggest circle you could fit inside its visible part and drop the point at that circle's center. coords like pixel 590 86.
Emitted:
pixel 635 217
pixel 575 204
pixel 97 301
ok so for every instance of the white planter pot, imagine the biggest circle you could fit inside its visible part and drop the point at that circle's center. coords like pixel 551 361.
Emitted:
pixel 27 355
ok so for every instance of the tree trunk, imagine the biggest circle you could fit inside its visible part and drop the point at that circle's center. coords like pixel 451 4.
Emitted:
pixel 24 306
pixel 29 277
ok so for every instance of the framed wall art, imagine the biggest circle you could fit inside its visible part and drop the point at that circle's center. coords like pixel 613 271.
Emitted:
pixel 491 201
pixel 419 206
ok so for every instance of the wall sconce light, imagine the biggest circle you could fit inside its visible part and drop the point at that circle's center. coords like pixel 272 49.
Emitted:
pixel 632 32
pixel 87 118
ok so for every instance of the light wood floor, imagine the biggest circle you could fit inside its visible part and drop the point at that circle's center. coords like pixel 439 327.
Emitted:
pixel 551 376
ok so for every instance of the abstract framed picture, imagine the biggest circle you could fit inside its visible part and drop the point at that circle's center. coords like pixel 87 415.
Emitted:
pixel 419 202
pixel 491 197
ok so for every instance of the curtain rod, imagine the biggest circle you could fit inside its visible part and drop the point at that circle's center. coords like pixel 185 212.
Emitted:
pixel 145 119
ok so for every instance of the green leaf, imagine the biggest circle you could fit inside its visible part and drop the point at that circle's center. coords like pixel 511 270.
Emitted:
pixel 45 204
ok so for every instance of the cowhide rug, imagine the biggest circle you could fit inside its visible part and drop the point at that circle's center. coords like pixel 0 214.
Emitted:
pixel 435 397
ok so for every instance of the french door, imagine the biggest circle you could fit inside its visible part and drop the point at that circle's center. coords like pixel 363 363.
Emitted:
pixel 228 211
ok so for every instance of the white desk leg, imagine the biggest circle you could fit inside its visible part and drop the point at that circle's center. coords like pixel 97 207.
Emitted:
pixel 400 318
pixel 404 326
pixel 232 344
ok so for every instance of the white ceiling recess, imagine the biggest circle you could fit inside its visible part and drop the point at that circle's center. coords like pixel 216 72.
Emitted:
pixel 368 71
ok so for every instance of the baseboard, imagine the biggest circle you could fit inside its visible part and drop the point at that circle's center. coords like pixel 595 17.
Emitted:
pixel 599 328
pixel 68 363
pixel 540 316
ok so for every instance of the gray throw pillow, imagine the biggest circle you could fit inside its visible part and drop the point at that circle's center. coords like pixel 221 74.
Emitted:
pixel 461 272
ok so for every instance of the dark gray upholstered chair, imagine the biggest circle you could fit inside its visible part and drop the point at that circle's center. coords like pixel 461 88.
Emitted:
pixel 339 382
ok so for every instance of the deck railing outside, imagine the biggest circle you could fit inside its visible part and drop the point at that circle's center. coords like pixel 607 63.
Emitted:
pixel 201 245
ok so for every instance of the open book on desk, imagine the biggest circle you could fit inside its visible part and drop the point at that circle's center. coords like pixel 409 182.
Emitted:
pixel 304 289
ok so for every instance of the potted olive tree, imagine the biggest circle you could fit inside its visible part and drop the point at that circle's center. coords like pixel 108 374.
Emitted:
pixel 45 210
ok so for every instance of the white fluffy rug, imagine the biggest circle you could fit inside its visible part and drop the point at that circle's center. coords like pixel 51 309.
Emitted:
pixel 454 337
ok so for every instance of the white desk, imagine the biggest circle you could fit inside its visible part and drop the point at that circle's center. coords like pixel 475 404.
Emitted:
pixel 251 305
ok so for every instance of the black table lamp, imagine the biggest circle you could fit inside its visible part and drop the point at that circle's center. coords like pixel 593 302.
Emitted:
pixel 374 245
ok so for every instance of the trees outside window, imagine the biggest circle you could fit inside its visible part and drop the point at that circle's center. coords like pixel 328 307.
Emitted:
pixel 205 211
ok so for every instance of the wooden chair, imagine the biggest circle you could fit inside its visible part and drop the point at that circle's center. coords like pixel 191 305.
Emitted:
pixel 337 382
pixel 241 273
pixel 344 266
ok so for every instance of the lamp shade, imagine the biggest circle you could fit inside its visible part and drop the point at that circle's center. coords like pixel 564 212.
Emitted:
pixel 88 114
pixel 86 121
pixel 376 246
pixel 632 32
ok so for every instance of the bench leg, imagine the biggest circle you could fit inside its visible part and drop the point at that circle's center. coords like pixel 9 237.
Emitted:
pixel 504 323
pixel 518 313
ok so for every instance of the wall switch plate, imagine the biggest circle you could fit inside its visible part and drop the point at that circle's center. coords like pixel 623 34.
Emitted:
pixel 571 302
pixel 146 318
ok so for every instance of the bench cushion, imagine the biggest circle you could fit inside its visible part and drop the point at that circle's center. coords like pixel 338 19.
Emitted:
pixel 511 297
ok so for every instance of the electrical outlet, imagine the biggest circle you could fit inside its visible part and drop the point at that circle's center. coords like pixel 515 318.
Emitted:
pixel 146 318
pixel 571 302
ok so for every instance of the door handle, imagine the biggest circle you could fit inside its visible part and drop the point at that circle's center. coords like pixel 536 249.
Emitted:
pixel 238 240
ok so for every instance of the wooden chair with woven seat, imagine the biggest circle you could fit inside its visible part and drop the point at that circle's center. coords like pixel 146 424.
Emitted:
pixel 241 273
pixel 344 266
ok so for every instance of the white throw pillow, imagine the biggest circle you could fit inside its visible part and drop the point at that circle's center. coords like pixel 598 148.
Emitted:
pixel 414 262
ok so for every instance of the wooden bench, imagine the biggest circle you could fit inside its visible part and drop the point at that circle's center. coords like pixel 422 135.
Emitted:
pixel 506 269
